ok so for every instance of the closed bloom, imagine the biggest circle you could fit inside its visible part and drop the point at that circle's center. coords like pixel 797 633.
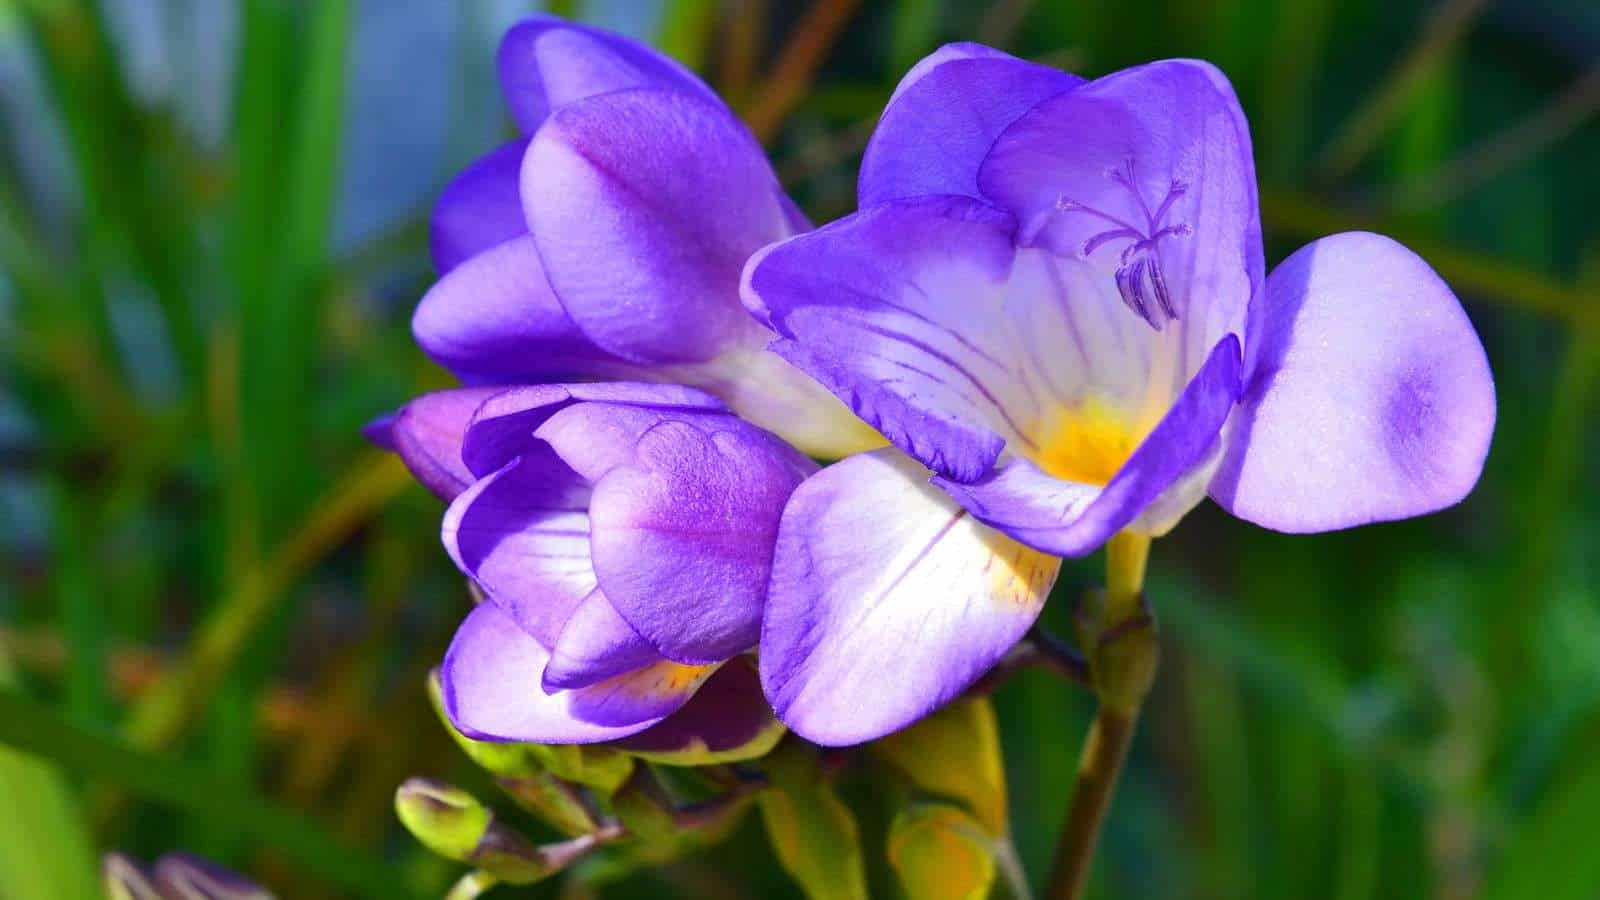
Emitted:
pixel 608 241
pixel 622 535
pixel 1053 300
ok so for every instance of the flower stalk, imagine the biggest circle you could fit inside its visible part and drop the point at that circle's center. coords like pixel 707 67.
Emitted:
pixel 1119 638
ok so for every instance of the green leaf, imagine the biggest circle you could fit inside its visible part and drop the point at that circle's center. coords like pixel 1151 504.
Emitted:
pixel 814 833
pixel 44 848
pixel 221 802
pixel 955 754
pixel 941 853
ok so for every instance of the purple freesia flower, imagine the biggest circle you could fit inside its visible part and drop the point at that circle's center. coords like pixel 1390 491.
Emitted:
pixel 1054 299
pixel 608 241
pixel 176 876
pixel 622 534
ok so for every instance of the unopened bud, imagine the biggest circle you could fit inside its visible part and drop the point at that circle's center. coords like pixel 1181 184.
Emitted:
pixel 446 819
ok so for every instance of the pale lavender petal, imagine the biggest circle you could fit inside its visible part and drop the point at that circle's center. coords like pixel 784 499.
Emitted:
pixel 522 533
pixel 491 685
pixel 1372 399
pixel 427 434
pixel 1072 519
pixel 645 205
pixel 184 876
pixel 494 319
pixel 898 311
pixel 945 115
pixel 505 423
pixel 595 644
pixel 479 209
pixel 546 63
pixel 727 721
pixel 887 600
pixel 1147 175
pixel 594 438
pixel 682 534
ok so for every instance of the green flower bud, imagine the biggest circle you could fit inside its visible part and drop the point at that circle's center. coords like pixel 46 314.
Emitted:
pixel 446 819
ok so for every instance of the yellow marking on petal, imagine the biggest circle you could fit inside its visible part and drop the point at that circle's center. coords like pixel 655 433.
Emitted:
pixel 666 677
pixel 1018 574
pixel 1089 443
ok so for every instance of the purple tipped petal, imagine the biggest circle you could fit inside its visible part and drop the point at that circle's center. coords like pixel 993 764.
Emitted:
pixel 595 644
pixel 479 209
pixel 727 721
pixel 427 433
pixel 1146 175
pixel 546 63
pixel 1371 399
pixel 494 319
pixel 491 684
pixel 887 600
pixel 645 205
pixel 505 424
pixel 682 534
pixel 522 533
pixel 894 310
pixel 184 876
pixel 945 115
pixel 1072 519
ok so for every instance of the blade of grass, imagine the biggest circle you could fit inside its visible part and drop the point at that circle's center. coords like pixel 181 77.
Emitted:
pixel 786 83
pixel 34 729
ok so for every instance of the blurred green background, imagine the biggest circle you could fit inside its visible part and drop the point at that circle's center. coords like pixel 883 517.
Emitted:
pixel 217 605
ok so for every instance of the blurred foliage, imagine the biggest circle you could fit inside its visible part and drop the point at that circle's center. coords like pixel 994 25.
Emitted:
pixel 221 608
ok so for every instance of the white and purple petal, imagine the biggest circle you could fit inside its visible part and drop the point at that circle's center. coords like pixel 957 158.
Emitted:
pixel 1147 175
pixel 427 433
pixel 896 311
pixel 595 643
pixel 546 62
pixel 682 534
pixel 494 319
pixel 491 683
pixel 1070 518
pixel 480 208
pixel 887 600
pixel 1371 397
pixel 522 534
pixel 645 205
pixel 944 116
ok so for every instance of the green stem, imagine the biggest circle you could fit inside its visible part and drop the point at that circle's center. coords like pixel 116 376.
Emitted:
pixel 1119 640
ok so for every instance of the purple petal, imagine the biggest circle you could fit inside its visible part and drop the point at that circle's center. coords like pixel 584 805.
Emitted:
pixel 595 644
pixel 491 684
pixel 427 433
pixel 546 63
pixel 945 115
pixel 522 533
pixel 1371 400
pixel 645 205
pixel 727 721
pixel 505 423
pixel 184 876
pixel 495 319
pixel 479 209
pixel 887 600
pixel 1072 519
pixel 682 533
pixel 893 309
pixel 1147 175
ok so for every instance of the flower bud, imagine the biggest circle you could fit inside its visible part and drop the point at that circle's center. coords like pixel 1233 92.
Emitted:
pixel 446 819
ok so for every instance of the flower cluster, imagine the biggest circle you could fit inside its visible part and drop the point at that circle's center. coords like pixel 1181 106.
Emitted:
pixel 1048 323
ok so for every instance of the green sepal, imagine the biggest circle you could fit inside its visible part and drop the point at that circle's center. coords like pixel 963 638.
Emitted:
pixel 955 755
pixel 601 768
pixel 940 852
pixel 814 834
pixel 645 808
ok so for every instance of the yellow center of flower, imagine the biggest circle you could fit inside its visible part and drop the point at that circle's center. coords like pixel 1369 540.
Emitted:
pixel 1088 443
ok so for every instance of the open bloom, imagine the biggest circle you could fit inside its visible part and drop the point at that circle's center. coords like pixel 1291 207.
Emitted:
pixel 608 241
pixel 1053 298
pixel 622 535
pixel 176 876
